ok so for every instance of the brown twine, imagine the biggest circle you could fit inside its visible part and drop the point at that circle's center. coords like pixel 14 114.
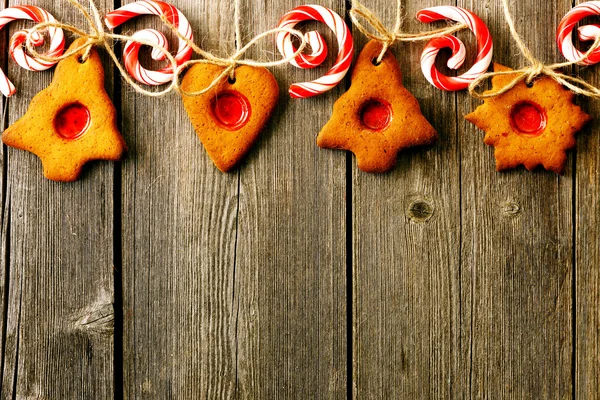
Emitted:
pixel 537 68
pixel 389 37
pixel 99 37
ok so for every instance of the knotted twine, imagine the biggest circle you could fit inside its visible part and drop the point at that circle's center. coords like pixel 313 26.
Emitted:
pixel 528 74
pixel 388 37
pixel 99 37
pixel 536 68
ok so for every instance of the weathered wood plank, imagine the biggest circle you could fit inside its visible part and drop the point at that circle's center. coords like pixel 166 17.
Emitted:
pixel 179 222
pixel 587 239
pixel 409 339
pixel 60 265
pixel 184 289
pixel 4 211
pixel 517 241
pixel 291 255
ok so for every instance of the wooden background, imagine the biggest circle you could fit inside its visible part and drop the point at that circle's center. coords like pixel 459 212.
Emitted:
pixel 298 276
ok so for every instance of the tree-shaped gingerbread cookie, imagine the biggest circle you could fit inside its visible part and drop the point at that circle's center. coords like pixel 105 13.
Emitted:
pixel 71 122
pixel 377 117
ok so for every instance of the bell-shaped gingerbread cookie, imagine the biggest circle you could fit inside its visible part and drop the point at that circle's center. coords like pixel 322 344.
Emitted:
pixel 377 117
pixel 71 122
pixel 229 117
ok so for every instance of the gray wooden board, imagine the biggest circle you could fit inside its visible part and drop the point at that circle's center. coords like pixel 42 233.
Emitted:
pixel 208 316
pixel 465 282
pixel 179 227
pixel 4 211
pixel 517 241
pixel 291 254
pixel 587 261
pixel 408 341
pixel 59 333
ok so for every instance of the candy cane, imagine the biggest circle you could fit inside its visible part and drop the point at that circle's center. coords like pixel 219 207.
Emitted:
pixel 484 48
pixel 564 34
pixel 17 52
pixel 132 48
pixel 319 48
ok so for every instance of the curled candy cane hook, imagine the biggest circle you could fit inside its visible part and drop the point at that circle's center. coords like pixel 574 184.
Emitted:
pixel 17 52
pixel 319 48
pixel 484 48
pixel 131 49
pixel 564 33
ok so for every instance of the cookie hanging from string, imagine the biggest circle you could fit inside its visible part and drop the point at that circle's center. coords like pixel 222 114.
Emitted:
pixel 72 121
pixel 530 126
pixel 229 117
pixel 529 115
pixel 228 100
pixel 377 117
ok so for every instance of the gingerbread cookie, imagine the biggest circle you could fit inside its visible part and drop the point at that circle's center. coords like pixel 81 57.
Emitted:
pixel 70 122
pixel 377 117
pixel 529 126
pixel 229 117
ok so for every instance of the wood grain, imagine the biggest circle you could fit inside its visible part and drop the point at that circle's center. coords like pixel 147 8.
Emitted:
pixel 465 282
pixel 408 333
pixel 179 221
pixel 291 254
pixel 59 333
pixel 517 242
pixel 4 211
pixel 587 260
pixel 217 311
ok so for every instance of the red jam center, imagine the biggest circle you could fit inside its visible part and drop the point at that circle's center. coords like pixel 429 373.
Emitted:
pixel 528 118
pixel 376 114
pixel 231 109
pixel 72 121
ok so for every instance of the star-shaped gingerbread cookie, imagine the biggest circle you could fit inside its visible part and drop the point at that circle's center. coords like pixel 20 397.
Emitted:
pixel 70 122
pixel 529 126
pixel 377 117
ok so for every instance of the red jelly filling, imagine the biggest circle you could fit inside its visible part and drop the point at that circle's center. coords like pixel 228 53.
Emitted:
pixel 230 109
pixel 376 114
pixel 72 121
pixel 528 118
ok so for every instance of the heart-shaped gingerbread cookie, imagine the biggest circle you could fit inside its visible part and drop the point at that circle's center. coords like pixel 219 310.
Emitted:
pixel 229 117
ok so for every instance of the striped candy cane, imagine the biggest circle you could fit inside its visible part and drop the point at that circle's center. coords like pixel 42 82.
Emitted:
pixel 16 48
pixel 319 48
pixel 484 48
pixel 132 48
pixel 564 34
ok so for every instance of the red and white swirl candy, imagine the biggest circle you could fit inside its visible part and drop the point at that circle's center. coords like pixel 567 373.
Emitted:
pixel 319 48
pixel 564 34
pixel 16 46
pixel 484 48
pixel 132 48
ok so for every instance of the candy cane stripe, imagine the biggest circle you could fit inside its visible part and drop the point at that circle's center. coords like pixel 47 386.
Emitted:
pixel 318 47
pixel 131 48
pixel 484 48
pixel 564 32
pixel 17 52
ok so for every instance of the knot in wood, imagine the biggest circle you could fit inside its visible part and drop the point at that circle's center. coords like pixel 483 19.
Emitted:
pixel 420 210
pixel 511 209
pixel 98 319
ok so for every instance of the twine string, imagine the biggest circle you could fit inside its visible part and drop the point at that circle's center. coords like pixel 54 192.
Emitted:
pixel 99 37
pixel 388 37
pixel 536 68
pixel 238 34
